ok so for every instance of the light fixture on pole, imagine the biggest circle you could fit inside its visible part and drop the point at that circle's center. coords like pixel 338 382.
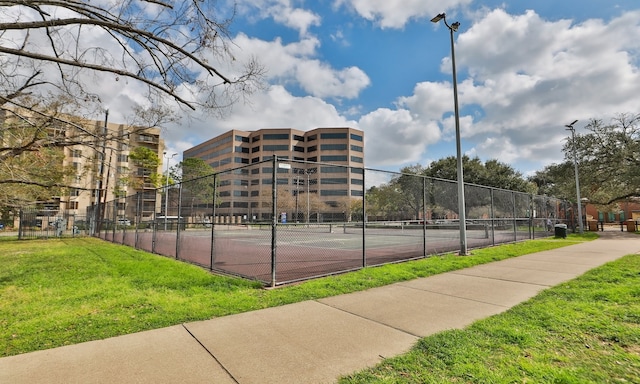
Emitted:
pixel 575 165
pixel 461 204
pixel 166 188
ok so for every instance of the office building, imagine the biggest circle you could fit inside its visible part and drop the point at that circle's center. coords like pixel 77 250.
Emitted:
pixel 323 178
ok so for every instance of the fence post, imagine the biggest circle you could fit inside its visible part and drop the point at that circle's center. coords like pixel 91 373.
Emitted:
pixel 493 219
pixel 213 219
pixel 274 219
pixel 515 220
pixel 178 221
pixel 138 218
pixel 532 229
pixel 364 218
pixel 424 216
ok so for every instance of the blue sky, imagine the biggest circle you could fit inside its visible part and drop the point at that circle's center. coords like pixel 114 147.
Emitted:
pixel 525 69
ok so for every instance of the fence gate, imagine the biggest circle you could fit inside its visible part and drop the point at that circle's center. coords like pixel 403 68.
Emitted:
pixel 38 223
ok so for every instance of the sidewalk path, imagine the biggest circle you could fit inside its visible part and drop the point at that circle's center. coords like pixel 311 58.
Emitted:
pixel 315 341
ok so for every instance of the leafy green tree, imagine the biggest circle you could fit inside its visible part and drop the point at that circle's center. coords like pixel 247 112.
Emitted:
pixel 608 158
pixel 146 161
pixel 197 181
pixel 31 169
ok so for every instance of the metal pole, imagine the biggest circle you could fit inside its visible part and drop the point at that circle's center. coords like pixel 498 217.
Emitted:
pixel 575 164
pixel 274 220
pixel 424 216
pixel 166 189
pixel 308 210
pixel 364 219
pixel 297 193
pixel 178 221
pixel 461 203
pixel 213 220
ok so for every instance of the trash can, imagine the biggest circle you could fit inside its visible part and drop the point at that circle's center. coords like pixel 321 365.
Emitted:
pixel 561 230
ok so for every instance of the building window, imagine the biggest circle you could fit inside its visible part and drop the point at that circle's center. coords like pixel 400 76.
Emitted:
pixel 272 148
pixel 241 149
pixel 333 180
pixel 298 137
pixel 356 148
pixel 333 135
pixel 312 138
pixel 357 181
pixel 334 192
pixel 312 148
pixel 146 138
pixel 297 148
pixel 331 158
pixel 255 149
pixel 356 137
pixel 314 158
pixel 76 153
pixel 356 193
pixel 333 147
pixel 333 170
pixel 357 159
pixel 255 138
pixel 255 160
pixel 242 139
pixel 275 136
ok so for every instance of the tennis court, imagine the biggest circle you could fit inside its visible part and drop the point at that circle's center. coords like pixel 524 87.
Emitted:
pixel 289 253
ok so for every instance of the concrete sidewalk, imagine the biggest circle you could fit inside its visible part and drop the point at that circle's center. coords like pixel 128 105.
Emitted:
pixel 315 341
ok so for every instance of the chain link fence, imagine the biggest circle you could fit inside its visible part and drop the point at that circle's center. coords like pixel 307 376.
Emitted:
pixel 280 221
pixel 33 223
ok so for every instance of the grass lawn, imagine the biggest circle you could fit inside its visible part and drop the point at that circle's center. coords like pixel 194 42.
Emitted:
pixel 65 291
pixel 584 331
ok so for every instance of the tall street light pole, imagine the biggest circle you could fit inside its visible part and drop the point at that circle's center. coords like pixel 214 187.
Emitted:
pixel 575 165
pixel 166 188
pixel 461 204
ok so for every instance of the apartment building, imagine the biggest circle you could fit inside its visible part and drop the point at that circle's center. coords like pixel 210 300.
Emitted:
pixel 325 172
pixel 107 172
pixel 100 167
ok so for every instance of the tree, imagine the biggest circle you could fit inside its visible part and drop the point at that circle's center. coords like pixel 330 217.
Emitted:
pixel 30 173
pixel 147 163
pixel 56 55
pixel 492 173
pixel 197 180
pixel 175 48
pixel 608 157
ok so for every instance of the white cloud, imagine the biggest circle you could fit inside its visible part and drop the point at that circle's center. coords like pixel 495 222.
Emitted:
pixel 396 136
pixel 530 76
pixel 295 64
pixel 282 12
pixel 396 13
